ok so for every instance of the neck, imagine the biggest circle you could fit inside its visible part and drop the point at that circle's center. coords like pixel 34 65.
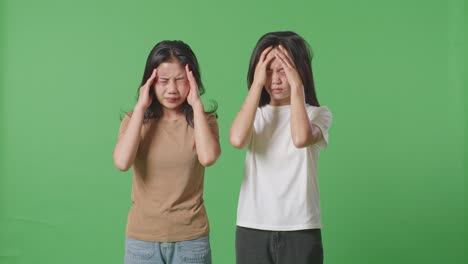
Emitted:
pixel 172 114
pixel 285 101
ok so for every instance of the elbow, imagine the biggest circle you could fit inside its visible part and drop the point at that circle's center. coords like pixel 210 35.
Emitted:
pixel 120 164
pixel 209 160
pixel 236 142
pixel 300 142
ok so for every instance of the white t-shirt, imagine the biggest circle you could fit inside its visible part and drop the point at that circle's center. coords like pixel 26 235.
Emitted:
pixel 279 191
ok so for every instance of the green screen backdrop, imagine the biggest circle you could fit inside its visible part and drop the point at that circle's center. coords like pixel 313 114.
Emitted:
pixel 393 73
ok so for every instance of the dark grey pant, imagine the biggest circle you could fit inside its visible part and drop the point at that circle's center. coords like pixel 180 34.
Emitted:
pixel 255 246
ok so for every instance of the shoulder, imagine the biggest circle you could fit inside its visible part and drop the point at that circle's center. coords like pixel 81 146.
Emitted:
pixel 320 116
pixel 263 110
pixel 314 111
pixel 317 108
pixel 211 117
pixel 125 119
pixel 260 113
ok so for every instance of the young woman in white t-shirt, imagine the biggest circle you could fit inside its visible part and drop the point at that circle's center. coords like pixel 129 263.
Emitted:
pixel 283 126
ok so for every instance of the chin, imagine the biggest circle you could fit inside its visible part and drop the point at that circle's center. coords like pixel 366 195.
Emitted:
pixel 279 97
pixel 173 106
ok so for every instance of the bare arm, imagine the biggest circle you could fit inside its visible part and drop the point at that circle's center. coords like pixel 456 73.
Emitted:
pixel 129 139
pixel 127 144
pixel 206 136
pixel 302 131
pixel 242 127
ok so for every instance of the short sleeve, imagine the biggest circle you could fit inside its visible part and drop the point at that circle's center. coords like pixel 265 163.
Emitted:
pixel 321 117
pixel 213 123
pixel 258 115
pixel 256 126
pixel 124 124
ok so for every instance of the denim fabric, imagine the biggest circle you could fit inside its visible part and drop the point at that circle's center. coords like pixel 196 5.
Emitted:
pixel 195 251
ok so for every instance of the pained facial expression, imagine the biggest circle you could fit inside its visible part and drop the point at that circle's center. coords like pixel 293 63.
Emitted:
pixel 277 84
pixel 172 86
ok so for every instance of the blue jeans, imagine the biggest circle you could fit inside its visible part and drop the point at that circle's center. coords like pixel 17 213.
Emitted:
pixel 191 251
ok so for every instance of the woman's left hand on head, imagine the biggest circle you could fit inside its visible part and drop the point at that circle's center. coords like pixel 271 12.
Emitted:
pixel 289 67
pixel 193 97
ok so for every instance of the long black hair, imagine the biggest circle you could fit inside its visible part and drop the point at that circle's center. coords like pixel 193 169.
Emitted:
pixel 166 51
pixel 299 50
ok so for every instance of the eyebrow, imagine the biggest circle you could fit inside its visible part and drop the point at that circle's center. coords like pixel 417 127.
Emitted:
pixel 180 76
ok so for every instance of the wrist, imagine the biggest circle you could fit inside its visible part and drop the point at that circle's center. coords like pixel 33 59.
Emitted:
pixel 198 107
pixel 297 92
pixel 297 87
pixel 139 108
pixel 256 86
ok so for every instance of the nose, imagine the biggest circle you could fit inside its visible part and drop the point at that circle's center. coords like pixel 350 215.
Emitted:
pixel 171 88
pixel 275 78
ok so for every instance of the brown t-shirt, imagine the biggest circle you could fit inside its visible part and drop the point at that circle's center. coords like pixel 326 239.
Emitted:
pixel 167 189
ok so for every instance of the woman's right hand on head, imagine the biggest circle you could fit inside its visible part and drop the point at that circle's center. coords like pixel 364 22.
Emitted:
pixel 144 98
pixel 260 74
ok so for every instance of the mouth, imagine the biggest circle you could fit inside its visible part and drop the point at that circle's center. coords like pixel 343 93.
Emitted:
pixel 172 99
pixel 276 90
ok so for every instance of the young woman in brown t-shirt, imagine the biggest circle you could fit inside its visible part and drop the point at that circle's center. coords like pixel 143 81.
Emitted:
pixel 169 139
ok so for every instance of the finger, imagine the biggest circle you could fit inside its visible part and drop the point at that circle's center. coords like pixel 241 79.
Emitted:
pixel 194 85
pixel 282 53
pixel 287 55
pixel 189 75
pixel 268 59
pixel 286 67
pixel 151 78
pixel 265 53
pixel 144 90
pixel 189 90
pixel 283 59
pixel 153 74
pixel 193 88
pixel 192 80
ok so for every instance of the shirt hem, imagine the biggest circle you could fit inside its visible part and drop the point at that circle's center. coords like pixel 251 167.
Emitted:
pixel 280 228
pixel 166 238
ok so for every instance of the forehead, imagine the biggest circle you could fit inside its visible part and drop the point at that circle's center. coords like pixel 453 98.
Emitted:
pixel 170 68
pixel 274 63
